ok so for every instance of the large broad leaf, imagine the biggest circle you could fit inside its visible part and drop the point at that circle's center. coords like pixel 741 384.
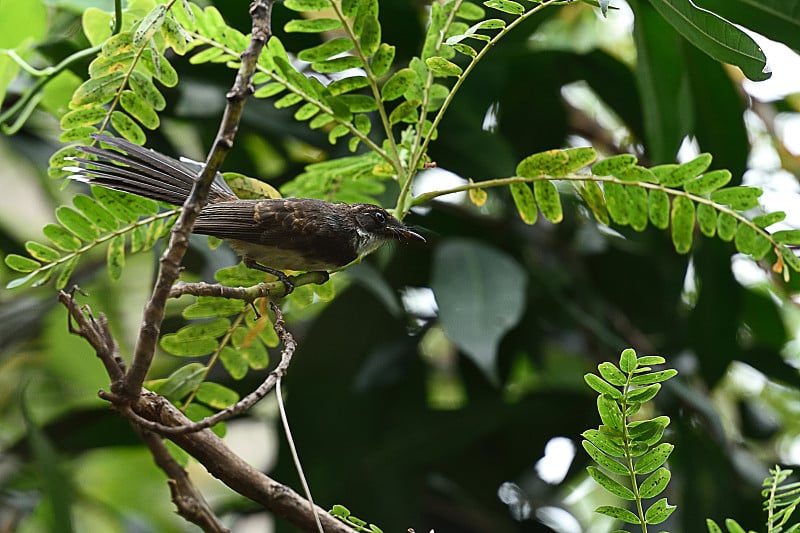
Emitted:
pixel 715 36
pixel 777 19
pixel 481 295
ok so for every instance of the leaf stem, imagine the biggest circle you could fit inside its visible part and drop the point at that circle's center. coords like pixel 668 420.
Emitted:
pixel 419 154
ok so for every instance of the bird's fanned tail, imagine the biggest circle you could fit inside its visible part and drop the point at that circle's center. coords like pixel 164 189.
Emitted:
pixel 131 168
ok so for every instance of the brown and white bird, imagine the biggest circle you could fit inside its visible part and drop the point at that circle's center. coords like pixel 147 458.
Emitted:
pixel 271 235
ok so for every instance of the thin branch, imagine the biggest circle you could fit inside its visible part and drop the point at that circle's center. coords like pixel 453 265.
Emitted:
pixel 275 289
pixel 260 11
pixel 95 331
pixel 289 347
pixel 189 501
pixel 232 470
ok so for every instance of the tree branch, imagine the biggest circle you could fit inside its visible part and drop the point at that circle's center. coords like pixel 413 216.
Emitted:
pixel 260 11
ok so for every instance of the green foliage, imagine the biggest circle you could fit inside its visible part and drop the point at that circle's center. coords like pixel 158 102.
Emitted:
pixel 627 448
pixel 343 513
pixel 113 218
pixel 781 499
pixel 678 197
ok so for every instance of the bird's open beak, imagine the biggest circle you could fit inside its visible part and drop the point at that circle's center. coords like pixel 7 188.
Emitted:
pixel 406 234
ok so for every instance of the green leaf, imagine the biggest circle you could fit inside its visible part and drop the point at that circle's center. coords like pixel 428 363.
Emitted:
pixel 382 60
pixel 326 50
pixel 654 377
pixel 655 484
pixel 593 196
pixel 370 34
pixel 763 221
pixel 270 89
pixel 307 5
pixel 337 64
pixel 637 207
pixel 188 347
pixel 216 396
pixel 726 226
pixel 86 115
pixel 614 165
pixel 637 174
pixel 126 127
pixel 66 272
pixel 477 320
pixel 21 263
pixel 610 413
pixel 97 91
pixel 405 112
pixel 315 25
pixel 115 257
pixel 139 109
pixel 234 362
pixel 707 219
pixel 617 202
pixel 715 36
pixel 682 219
pixel 612 374
pixel 441 67
pixel 604 443
pixel 712 526
pixel 601 386
pixel 733 526
pixel 40 252
pixel 645 394
pixel 708 182
pixel 740 198
pixel 659 511
pixel 648 432
pixel 359 103
pixel 654 458
pixel 628 361
pixel 618 513
pixel 182 381
pixel 61 238
pixel 686 171
pixel 143 85
pixel 658 209
pixel 603 460
pixel 506 6
pixel 649 360
pixel 611 485
pixel 522 194
pixel 149 25
pixel 398 84
pixel 789 237
pixel 548 200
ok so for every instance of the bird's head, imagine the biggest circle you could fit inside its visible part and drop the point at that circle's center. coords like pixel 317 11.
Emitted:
pixel 375 226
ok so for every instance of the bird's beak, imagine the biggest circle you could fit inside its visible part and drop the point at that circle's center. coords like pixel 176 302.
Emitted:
pixel 405 234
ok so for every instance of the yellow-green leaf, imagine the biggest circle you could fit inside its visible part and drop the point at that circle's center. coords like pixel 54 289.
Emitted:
pixel 617 202
pixel 548 200
pixel 20 263
pixel 707 220
pixel 398 84
pixel 708 182
pixel 314 25
pixel 613 165
pixel 658 209
pixel 726 226
pixel 525 202
pixel 442 67
pixel 139 109
pixel 115 257
pixel 126 127
pixel 682 218
pixel 593 196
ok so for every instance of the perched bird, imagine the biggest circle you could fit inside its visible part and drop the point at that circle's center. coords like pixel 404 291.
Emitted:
pixel 270 235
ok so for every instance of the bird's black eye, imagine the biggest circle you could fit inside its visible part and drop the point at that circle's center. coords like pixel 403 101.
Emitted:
pixel 380 217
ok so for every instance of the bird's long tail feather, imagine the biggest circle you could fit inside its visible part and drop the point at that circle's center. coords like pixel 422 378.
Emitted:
pixel 131 168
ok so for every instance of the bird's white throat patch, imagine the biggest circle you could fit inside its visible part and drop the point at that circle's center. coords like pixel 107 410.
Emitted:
pixel 367 242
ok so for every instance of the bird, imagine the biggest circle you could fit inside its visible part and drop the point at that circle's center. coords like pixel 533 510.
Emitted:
pixel 270 234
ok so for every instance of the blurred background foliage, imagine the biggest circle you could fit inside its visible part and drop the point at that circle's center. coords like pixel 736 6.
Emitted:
pixel 391 419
